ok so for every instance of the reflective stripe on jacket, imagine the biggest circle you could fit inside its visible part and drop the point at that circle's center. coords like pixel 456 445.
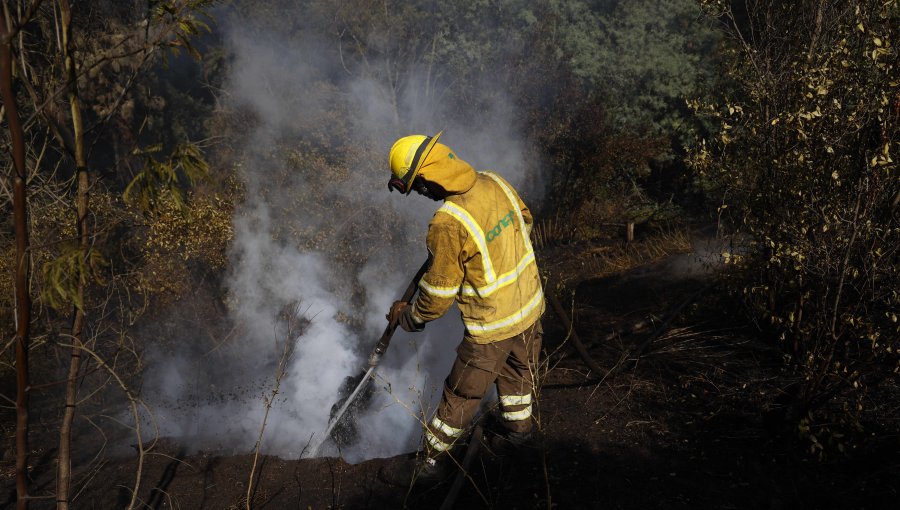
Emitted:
pixel 482 259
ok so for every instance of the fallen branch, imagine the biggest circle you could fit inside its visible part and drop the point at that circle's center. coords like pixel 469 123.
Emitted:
pixel 634 354
pixel 576 341
pixel 636 327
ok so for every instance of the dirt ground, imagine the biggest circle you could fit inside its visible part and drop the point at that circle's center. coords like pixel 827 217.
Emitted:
pixel 687 424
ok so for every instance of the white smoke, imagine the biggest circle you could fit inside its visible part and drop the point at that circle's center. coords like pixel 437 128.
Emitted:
pixel 217 401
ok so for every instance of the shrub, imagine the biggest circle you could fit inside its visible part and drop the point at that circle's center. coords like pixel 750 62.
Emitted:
pixel 804 161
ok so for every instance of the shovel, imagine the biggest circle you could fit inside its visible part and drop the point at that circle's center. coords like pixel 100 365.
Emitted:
pixel 341 430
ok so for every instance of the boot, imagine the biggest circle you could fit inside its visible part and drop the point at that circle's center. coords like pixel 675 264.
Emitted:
pixel 434 471
pixel 503 443
pixel 419 470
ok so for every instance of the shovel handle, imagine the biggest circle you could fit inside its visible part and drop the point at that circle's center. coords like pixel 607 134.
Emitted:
pixel 385 339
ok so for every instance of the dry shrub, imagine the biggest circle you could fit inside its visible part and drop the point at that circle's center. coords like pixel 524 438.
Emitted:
pixel 180 247
pixel 804 158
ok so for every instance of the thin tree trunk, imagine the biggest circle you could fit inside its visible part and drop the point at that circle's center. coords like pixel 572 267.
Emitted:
pixel 817 32
pixel 64 466
pixel 23 300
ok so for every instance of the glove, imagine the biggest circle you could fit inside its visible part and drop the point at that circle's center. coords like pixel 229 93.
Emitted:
pixel 401 315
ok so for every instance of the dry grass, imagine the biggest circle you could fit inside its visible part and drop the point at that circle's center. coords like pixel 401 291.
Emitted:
pixel 613 259
pixel 566 264
pixel 549 232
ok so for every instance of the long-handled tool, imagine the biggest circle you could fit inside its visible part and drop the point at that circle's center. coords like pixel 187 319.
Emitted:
pixel 360 382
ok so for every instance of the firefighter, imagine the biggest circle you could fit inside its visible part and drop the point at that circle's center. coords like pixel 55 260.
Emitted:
pixel 483 260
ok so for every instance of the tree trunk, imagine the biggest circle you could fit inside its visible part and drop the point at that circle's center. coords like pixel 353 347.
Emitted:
pixel 23 300
pixel 64 466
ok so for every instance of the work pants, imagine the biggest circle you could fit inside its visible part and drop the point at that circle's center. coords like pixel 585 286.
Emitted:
pixel 510 364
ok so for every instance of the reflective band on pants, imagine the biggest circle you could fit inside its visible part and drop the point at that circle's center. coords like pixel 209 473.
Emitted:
pixel 436 443
pixel 515 400
pixel 446 429
pixel 524 414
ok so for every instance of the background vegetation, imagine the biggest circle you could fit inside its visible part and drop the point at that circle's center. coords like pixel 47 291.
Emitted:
pixel 803 163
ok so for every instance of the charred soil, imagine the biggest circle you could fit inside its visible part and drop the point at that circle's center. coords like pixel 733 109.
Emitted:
pixel 681 417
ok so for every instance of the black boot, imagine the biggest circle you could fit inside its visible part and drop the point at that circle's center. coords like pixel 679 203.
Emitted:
pixel 433 471
pixel 502 443
pixel 419 470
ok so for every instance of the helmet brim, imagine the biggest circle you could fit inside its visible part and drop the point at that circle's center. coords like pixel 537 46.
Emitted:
pixel 420 160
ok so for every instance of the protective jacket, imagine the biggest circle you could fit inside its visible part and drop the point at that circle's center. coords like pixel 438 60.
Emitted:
pixel 481 253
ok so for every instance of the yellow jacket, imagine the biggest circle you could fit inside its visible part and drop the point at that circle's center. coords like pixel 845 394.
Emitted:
pixel 481 253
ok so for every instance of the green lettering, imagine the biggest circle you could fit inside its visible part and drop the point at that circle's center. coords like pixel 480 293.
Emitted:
pixel 498 228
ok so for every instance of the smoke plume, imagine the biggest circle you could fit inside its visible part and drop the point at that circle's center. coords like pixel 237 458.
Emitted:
pixel 217 401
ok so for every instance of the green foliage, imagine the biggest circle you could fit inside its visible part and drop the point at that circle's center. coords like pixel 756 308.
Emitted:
pixel 165 178
pixel 618 75
pixel 646 57
pixel 114 46
pixel 184 18
pixel 804 161
pixel 70 271
pixel 119 109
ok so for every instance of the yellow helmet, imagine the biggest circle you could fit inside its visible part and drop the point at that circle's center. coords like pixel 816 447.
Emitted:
pixel 406 158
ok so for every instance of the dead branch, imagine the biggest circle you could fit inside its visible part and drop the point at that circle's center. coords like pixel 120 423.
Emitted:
pixel 576 341
pixel 135 403
pixel 634 354
pixel 287 354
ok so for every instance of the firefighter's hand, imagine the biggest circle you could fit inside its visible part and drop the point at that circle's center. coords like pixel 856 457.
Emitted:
pixel 397 310
pixel 401 315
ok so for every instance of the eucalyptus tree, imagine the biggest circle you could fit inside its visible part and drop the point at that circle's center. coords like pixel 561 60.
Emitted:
pixel 75 74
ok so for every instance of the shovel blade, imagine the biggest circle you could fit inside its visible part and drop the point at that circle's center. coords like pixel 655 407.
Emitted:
pixel 344 432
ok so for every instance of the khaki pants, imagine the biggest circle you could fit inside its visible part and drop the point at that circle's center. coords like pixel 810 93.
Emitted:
pixel 509 363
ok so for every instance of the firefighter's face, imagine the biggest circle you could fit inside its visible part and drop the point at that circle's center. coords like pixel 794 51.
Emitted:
pixel 421 187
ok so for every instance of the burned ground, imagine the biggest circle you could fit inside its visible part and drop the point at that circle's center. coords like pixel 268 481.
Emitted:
pixel 687 423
